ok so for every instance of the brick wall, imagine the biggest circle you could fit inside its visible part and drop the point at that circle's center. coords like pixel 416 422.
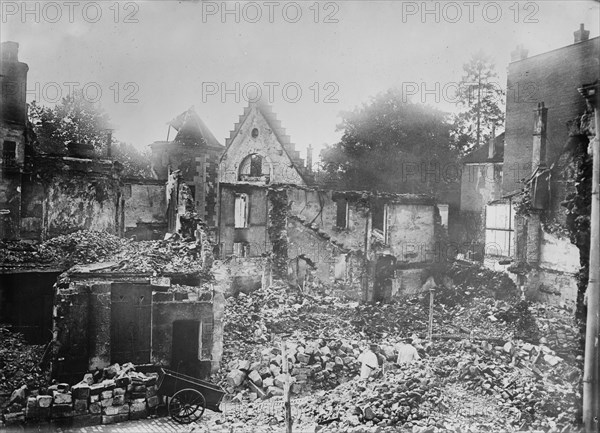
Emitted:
pixel 552 78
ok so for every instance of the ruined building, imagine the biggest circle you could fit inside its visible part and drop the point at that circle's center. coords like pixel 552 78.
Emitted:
pixel 147 302
pixel 194 153
pixel 274 220
pixel 13 123
pixel 528 221
pixel 481 183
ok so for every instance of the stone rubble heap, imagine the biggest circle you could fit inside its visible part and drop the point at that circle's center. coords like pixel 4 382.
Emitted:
pixel 19 362
pixel 518 361
pixel 313 364
pixel 528 384
pixel 85 247
pixel 115 394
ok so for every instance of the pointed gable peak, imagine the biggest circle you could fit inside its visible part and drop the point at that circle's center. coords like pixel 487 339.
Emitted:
pixel 262 107
pixel 192 130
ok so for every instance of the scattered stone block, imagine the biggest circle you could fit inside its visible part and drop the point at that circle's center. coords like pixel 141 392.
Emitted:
pixel 303 357
pixel 118 400
pixel 110 410
pixel 80 406
pixel 273 390
pixel 235 378
pixel 255 377
pixel 81 391
pixel 106 402
pixel 119 391
pixel 62 398
pixel 43 400
pixel 88 378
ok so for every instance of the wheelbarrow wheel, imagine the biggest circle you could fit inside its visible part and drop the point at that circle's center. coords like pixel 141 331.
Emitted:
pixel 187 406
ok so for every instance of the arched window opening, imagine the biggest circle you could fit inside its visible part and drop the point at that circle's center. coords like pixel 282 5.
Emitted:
pixel 254 168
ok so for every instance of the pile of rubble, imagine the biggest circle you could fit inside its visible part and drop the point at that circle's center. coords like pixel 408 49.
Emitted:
pixel 313 364
pixel 114 394
pixel 529 385
pixel 517 361
pixel 19 362
pixel 173 254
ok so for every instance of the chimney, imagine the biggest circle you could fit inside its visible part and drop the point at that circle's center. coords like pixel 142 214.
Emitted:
pixel 109 144
pixel 10 51
pixel 309 156
pixel 539 136
pixel 520 53
pixel 581 35
pixel 492 144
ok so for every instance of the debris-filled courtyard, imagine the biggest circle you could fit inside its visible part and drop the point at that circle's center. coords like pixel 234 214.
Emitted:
pixel 361 217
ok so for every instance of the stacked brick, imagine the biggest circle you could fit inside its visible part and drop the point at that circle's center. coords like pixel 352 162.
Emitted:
pixel 114 395
pixel 317 364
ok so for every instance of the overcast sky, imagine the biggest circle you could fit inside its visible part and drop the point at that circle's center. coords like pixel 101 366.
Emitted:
pixel 152 60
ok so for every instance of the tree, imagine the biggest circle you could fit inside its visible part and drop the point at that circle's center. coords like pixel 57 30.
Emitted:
pixel 394 145
pixel 77 120
pixel 73 120
pixel 482 99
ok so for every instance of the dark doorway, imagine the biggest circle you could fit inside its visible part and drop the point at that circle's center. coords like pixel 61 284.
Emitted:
pixel 184 357
pixel 384 274
pixel 26 304
pixel 130 323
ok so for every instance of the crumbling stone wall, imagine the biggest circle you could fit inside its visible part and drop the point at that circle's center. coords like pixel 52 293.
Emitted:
pixel 83 319
pixel 78 204
pixel 555 279
pixel 319 209
pixel 145 206
pixel 198 165
pixel 313 258
pixel 235 275
pixel 411 232
pixel 65 194
pixel 255 235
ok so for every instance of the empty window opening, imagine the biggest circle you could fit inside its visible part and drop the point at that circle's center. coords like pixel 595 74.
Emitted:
pixel 379 219
pixel 255 133
pixel 342 214
pixel 254 169
pixel 241 249
pixel 241 211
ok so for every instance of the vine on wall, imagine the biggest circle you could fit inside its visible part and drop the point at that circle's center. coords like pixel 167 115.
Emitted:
pixel 278 212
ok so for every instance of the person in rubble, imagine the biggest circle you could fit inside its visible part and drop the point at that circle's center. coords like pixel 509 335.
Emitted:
pixel 369 362
pixel 407 353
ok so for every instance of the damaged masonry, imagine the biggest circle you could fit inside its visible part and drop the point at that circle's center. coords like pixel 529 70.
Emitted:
pixel 140 288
